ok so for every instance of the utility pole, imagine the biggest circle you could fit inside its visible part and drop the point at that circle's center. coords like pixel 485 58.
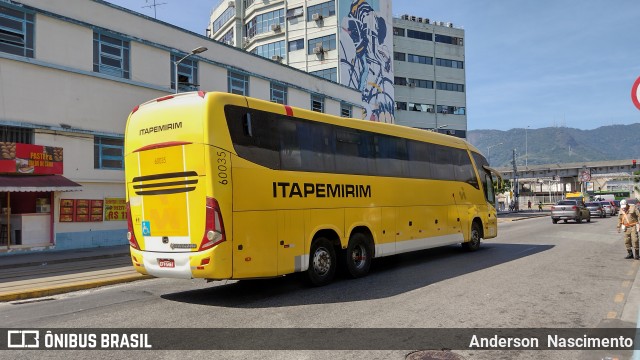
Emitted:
pixel 516 192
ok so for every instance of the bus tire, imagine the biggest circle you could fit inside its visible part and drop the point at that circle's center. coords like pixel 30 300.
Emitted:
pixel 322 262
pixel 358 255
pixel 474 242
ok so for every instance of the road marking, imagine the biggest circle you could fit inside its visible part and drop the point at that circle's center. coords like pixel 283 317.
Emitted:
pixel 612 315
pixel 619 298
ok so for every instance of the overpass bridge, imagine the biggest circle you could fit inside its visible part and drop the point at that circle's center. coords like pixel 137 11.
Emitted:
pixel 558 179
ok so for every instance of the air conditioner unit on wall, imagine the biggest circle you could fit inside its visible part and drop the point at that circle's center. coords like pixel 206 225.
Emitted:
pixel 275 27
pixel 276 57
pixel 316 17
pixel 318 50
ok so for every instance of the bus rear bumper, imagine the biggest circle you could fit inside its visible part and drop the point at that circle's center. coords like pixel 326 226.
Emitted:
pixel 160 264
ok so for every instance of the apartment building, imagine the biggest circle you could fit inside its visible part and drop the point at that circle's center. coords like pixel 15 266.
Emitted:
pixel 70 73
pixel 429 75
pixel 410 70
pixel 341 41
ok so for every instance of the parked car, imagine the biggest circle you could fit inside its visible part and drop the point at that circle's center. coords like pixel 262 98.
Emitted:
pixel 596 209
pixel 607 207
pixel 570 210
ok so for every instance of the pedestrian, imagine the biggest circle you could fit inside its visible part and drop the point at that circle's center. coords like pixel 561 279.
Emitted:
pixel 529 205
pixel 627 221
pixel 540 206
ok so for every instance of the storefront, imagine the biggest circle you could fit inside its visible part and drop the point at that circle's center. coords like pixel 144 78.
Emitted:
pixel 30 178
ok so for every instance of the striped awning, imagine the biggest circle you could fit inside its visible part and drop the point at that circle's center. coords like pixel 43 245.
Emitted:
pixel 37 183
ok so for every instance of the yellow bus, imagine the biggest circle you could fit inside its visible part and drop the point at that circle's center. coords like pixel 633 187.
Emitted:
pixel 221 186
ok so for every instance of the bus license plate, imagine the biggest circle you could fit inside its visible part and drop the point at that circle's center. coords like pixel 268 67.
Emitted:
pixel 166 263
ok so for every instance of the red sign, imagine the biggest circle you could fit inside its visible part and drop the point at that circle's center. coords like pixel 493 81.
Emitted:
pixel 30 159
pixel 635 93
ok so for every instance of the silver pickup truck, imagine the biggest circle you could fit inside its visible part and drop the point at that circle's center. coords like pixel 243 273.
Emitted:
pixel 570 210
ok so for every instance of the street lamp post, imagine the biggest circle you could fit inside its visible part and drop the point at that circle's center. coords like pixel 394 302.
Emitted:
pixel 526 148
pixel 198 50
pixel 489 152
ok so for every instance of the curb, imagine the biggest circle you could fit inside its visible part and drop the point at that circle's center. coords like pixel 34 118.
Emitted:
pixel 61 289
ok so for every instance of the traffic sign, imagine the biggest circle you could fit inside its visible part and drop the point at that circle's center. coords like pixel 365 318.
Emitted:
pixel 635 93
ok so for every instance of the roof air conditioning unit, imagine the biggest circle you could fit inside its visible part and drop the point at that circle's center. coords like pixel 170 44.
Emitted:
pixel 232 4
pixel 275 27
pixel 448 24
pixel 426 20
pixel 413 18
pixel 276 57
pixel 419 19
pixel 405 17
pixel 316 17
pixel 318 50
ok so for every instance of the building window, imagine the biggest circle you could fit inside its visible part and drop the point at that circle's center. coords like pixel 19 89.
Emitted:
pixel 420 59
pixel 294 13
pixel 16 32
pixel 414 34
pixel 420 107
pixel 263 23
pixel 227 38
pixel 187 73
pixel 444 109
pixel 448 39
pixel 398 56
pixel 326 43
pixel 401 105
pixel 450 86
pixel 296 44
pixel 346 110
pixel 325 10
pixel 278 93
pixel 450 63
pixel 238 83
pixel 271 50
pixel 108 153
pixel 14 134
pixel 317 103
pixel 110 56
pixel 398 31
pixel 248 3
pixel 329 74
pixel 400 81
pixel 223 18
pixel 425 84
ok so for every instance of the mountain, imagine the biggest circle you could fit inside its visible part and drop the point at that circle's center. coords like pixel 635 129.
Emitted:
pixel 553 145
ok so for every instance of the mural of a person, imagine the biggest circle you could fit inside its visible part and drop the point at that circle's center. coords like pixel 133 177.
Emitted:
pixel 365 60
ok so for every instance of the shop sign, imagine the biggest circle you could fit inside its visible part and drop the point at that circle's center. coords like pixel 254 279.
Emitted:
pixel 30 159
pixel 115 209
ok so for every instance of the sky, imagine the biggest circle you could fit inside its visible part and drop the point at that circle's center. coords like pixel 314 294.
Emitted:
pixel 536 64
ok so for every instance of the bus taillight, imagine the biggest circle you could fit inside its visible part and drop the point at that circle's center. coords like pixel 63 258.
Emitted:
pixel 131 236
pixel 214 229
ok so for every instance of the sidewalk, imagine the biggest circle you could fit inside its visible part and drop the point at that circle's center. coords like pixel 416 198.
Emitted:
pixel 46 273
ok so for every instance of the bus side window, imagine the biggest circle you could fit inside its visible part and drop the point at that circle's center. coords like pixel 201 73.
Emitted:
pixel 490 195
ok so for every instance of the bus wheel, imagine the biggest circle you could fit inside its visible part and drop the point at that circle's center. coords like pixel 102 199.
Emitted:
pixel 322 262
pixel 358 255
pixel 474 243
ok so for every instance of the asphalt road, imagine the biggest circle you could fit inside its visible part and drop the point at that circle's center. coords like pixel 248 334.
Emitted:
pixel 534 275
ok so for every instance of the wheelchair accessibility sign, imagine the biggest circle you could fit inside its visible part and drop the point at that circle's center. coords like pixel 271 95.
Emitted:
pixel 146 228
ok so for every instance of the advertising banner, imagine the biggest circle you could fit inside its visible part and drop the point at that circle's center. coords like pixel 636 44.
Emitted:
pixel 30 159
pixel 115 209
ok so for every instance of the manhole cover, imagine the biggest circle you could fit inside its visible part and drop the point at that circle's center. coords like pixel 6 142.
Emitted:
pixel 434 355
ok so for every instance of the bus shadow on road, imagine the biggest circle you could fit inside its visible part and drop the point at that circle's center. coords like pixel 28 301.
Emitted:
pixel 389 276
